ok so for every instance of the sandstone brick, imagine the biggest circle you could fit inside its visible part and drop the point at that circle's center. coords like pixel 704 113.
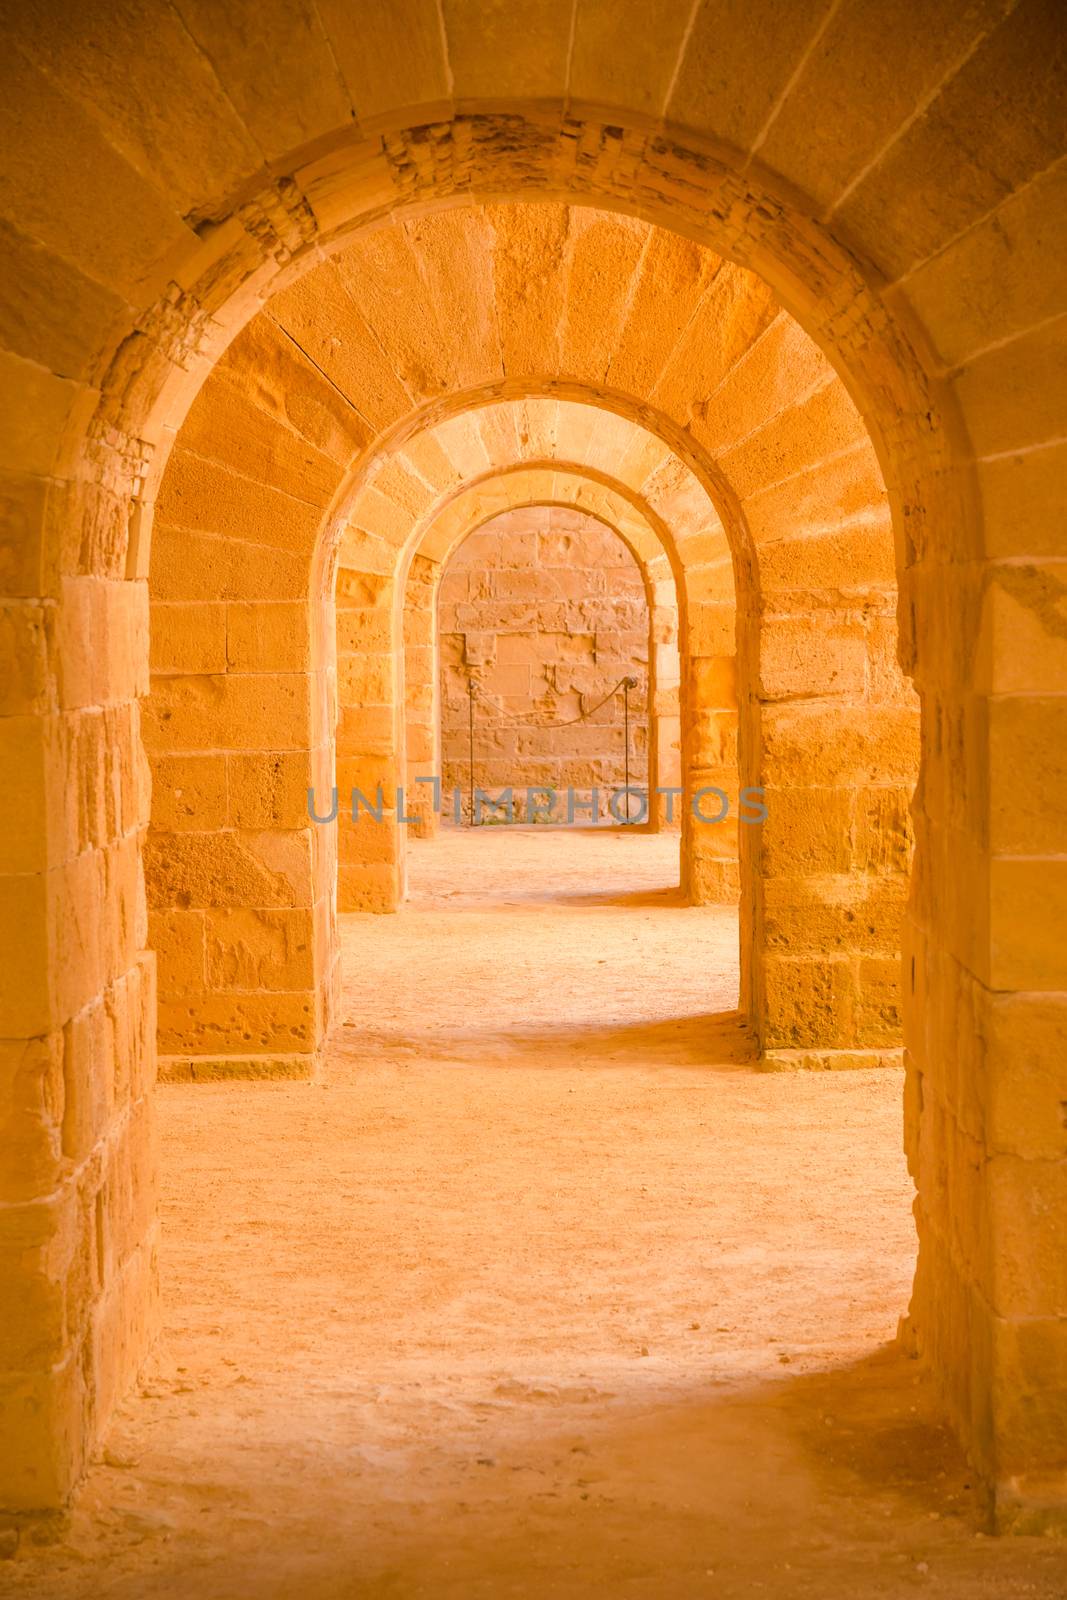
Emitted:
pixel 368 887
pixel 188 638
pixel 268 789
pixel 236 1024
pixel 32 1095
pixel 189 793
pixel 207 497
pixel 177 937
pixel 259 950
pixel 188 870
pixel 1027 898
pixel 809 1001
pixel 229 711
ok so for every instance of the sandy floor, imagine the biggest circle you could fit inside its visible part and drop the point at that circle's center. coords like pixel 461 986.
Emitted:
pixel 541 1291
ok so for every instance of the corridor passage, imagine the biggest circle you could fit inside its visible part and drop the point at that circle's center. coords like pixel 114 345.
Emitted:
pixel 540 1290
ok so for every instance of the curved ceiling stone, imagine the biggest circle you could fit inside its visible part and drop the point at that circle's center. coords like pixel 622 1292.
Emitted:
pixel 366 351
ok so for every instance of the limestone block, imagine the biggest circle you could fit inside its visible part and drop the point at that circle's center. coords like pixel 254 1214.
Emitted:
pixel 711 629
pixel 365 773
pixel 252 949
pixel 881 836
pixel 806 462
pixel 229 711
pixel 368 730
pixel 717 86
pixel 605 252
pixel 268 638
pixel 825 746
pixel 209 151
pixel 28 648
pixel 26 555
pixel 192 565
pixel 368 887
pixel 363 629
pixel 292 1066
pixel 848 913
pixel 851 554
pixel 877 1017
pixel 47 1250
pixel 70 902
pixel 992 281
pixel 807 831
pixel 366 680
pixel 528 267
pixel 713 739
pixel 44 1416
pixel 1024 1088
pixel 1024 498
pixel 928 191
pixel 1029 1397
pixel 188 793
pixel 807 656
pixel 31 1122
pixel 479 649
pixel 281 74
pixel 177 937
pixel 91 187
pixel 376 530
pixel 24 760
pixel 239 1023
pixel 736 310
pixel 125 1322
pixel 809 1002
pixel 272 372
pixel 1028 774
pixel 781 370
pixel 188 638
pixel 268 790
pixel 1028 898
pixel 1028 1271
pixel 674 276
pixel 191 870
pixel 204 496
pixel 227 424
pixel 89 1098
pixel 1013 395
pixel 1023 628
pixel 418 628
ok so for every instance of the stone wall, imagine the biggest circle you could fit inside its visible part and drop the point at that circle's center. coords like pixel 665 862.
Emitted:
pixel 238 726
pixel 544 610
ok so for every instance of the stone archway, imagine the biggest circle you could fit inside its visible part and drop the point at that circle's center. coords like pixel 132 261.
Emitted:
pixel 922 360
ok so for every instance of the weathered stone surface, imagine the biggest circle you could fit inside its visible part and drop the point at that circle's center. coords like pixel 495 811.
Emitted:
pixel 535 668
pixel 135 163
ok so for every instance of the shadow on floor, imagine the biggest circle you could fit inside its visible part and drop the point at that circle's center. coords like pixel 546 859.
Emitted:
pixel 719 1041
pixel 635 899
pixel 839 1485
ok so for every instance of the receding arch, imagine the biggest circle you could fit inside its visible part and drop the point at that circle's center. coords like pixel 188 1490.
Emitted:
pixel 540 611
pixel 550 487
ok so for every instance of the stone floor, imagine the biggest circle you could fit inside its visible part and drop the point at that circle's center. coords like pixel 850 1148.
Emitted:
pixel 541 1290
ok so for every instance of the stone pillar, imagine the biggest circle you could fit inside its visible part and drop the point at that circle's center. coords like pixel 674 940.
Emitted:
pixel 986 1001
pixel 421 725
pixel 838 750
pixel 77 999
pixel 239 876
pixel 368 743
pixel 665 674
pixel 710 874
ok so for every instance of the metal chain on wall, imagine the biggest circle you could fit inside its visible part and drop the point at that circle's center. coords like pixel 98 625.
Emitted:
pixel 625 684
